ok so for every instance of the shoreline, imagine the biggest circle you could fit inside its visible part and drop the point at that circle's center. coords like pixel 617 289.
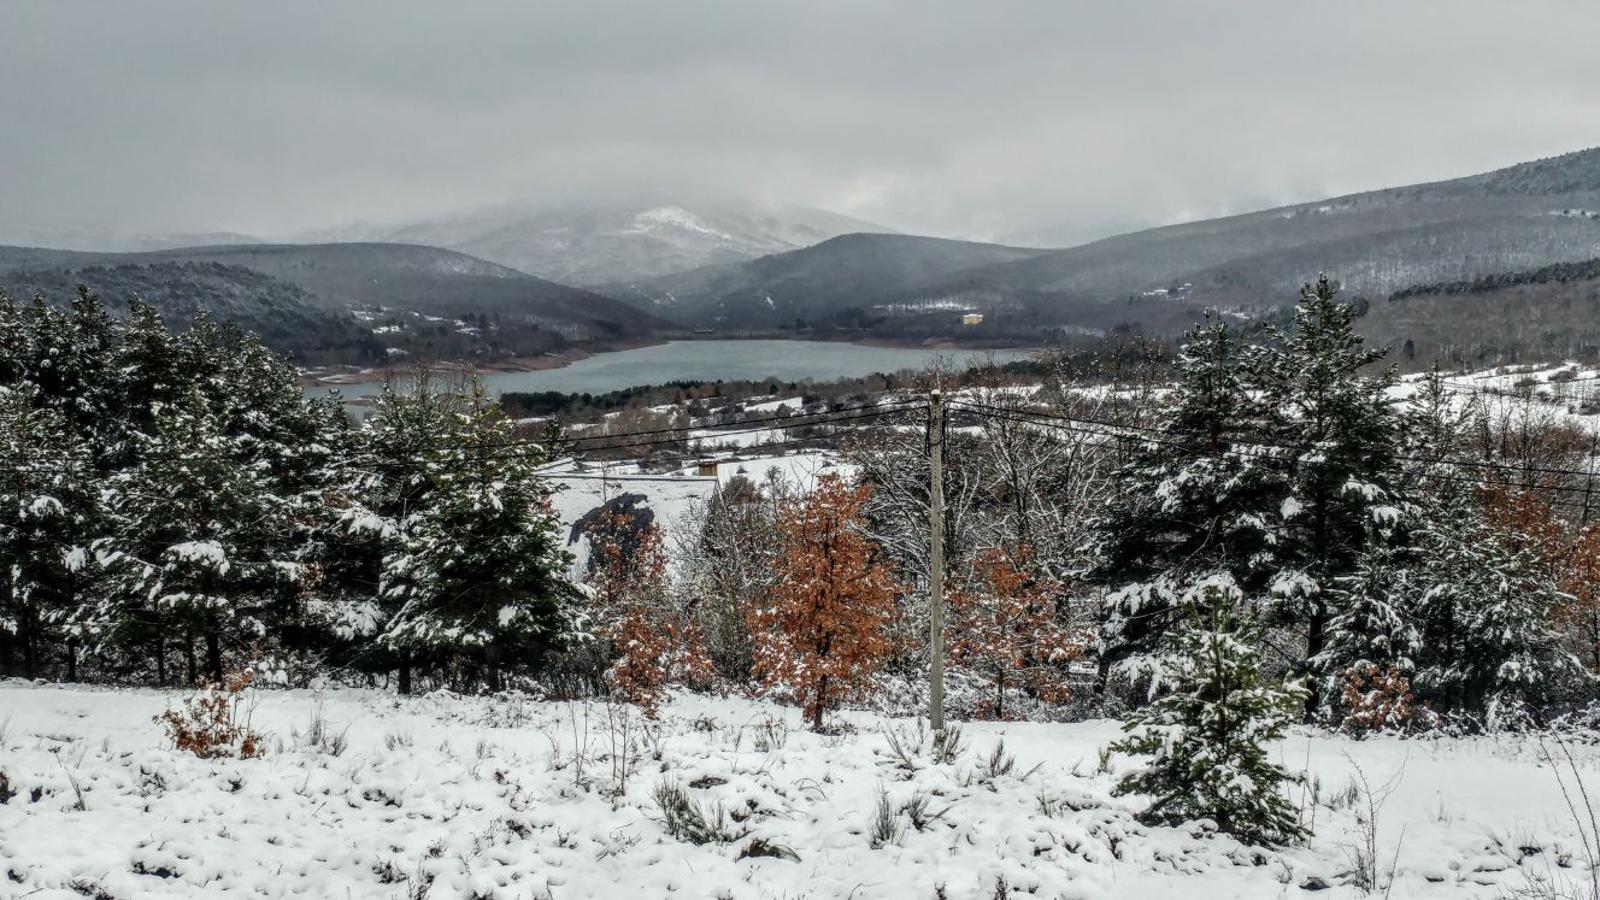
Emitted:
pixel 335 377
pixel 325 377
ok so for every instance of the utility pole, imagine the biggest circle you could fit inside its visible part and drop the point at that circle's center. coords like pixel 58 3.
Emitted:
pixel 936 560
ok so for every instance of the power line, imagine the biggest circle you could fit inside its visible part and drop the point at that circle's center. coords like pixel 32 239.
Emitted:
pixel 614 441
pixel 1036 415
pixel 1240 452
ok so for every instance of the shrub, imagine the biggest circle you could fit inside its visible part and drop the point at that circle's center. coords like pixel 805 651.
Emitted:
pixel 687 821
pixel 215 722
pixel 1380 699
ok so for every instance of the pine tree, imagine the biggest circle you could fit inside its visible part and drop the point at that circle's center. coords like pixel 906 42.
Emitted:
pixel 1194 498
pixel 1486 607
pixel 475 570
pixel 204 536
pixel 49 519
pixel 1338 491
pixel 1374 625
pixel 1206 733
pixel 824 631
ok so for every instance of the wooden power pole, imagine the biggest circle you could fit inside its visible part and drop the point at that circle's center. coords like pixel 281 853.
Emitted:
pixel 936 560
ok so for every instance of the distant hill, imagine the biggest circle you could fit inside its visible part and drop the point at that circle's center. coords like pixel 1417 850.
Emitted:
pixel 1375 243
pixel 111 241
pixel 1548 313
pixel 405 300
pixel 854 273
pixel 597 243
pixel 1160 280
pixel 285 316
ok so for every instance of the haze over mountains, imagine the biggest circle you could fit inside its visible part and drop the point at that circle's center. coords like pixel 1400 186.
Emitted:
pixel 615 241
pixel 510 281
pixel 1517 218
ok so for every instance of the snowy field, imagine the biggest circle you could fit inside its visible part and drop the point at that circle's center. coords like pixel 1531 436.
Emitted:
pixel 446 797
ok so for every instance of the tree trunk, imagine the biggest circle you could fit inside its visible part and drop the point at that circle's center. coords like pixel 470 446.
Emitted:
pixel 213 650
pixel 491 659
pixel 1314 640
pixel 191 664
pixel 161 661
pixel 822 698
pixel 29 632
pixel 72 660
pixel 405 674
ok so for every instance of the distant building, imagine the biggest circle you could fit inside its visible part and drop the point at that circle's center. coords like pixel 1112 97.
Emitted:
pixel 972 319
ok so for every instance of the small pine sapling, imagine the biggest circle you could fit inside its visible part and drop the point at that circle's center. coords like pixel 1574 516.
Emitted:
pixel 1205 735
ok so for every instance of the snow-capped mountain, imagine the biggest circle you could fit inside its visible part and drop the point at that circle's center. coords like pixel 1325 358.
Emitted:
pixel 618 242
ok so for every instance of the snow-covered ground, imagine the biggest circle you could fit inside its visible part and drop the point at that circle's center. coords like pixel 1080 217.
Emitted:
pixel 506 797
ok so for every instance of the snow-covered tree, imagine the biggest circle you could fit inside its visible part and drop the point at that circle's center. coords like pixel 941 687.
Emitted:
pixel 1005 626
pixel 1206 731
pixel 824 630
pixel 473 569
pixel 50 517
pixel 1374 625
pixel 1340 435
pixel 1486 607
pixel 725 562
pixel 203 547
pixel 1193 497
pixel 653 642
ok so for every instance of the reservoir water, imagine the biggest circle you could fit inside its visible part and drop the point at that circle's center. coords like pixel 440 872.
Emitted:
pixel 713 360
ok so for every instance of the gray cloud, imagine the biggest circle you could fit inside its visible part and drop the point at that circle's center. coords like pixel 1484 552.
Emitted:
pixel 974 119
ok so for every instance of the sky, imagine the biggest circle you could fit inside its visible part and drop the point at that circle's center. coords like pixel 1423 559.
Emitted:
pixel 1001 119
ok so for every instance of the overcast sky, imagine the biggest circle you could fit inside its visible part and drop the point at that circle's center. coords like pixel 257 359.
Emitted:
pixel 980 119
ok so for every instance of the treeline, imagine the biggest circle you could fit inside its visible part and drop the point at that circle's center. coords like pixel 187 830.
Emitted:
pixel 1558 273
pixel 284 316
pixel 171 505
pixel 716 397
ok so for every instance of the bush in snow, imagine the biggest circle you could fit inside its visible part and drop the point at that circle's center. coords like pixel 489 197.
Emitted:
pixel 1205 733
pixel 215 722
pixel 1380 699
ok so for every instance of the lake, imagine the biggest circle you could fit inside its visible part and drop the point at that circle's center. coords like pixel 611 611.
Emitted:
pixel 713 360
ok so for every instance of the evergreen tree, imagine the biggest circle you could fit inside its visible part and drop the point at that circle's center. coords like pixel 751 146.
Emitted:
pixel 49 516
pixel 1485 607
pixel 475 571
pixel 204 535
pixel 1340 434
pixel 1191 499
pixel 1374 624
pixel 1205 733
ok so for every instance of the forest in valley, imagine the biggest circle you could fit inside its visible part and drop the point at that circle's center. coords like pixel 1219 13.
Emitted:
pixel 1213 547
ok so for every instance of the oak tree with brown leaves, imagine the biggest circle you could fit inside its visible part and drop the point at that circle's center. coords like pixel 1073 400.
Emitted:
pixel 1005 625
pixel 825 630
pixel 654 642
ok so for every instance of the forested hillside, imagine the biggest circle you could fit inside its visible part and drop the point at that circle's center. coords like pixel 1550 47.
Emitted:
pixel 420 301
pixel 1548 313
